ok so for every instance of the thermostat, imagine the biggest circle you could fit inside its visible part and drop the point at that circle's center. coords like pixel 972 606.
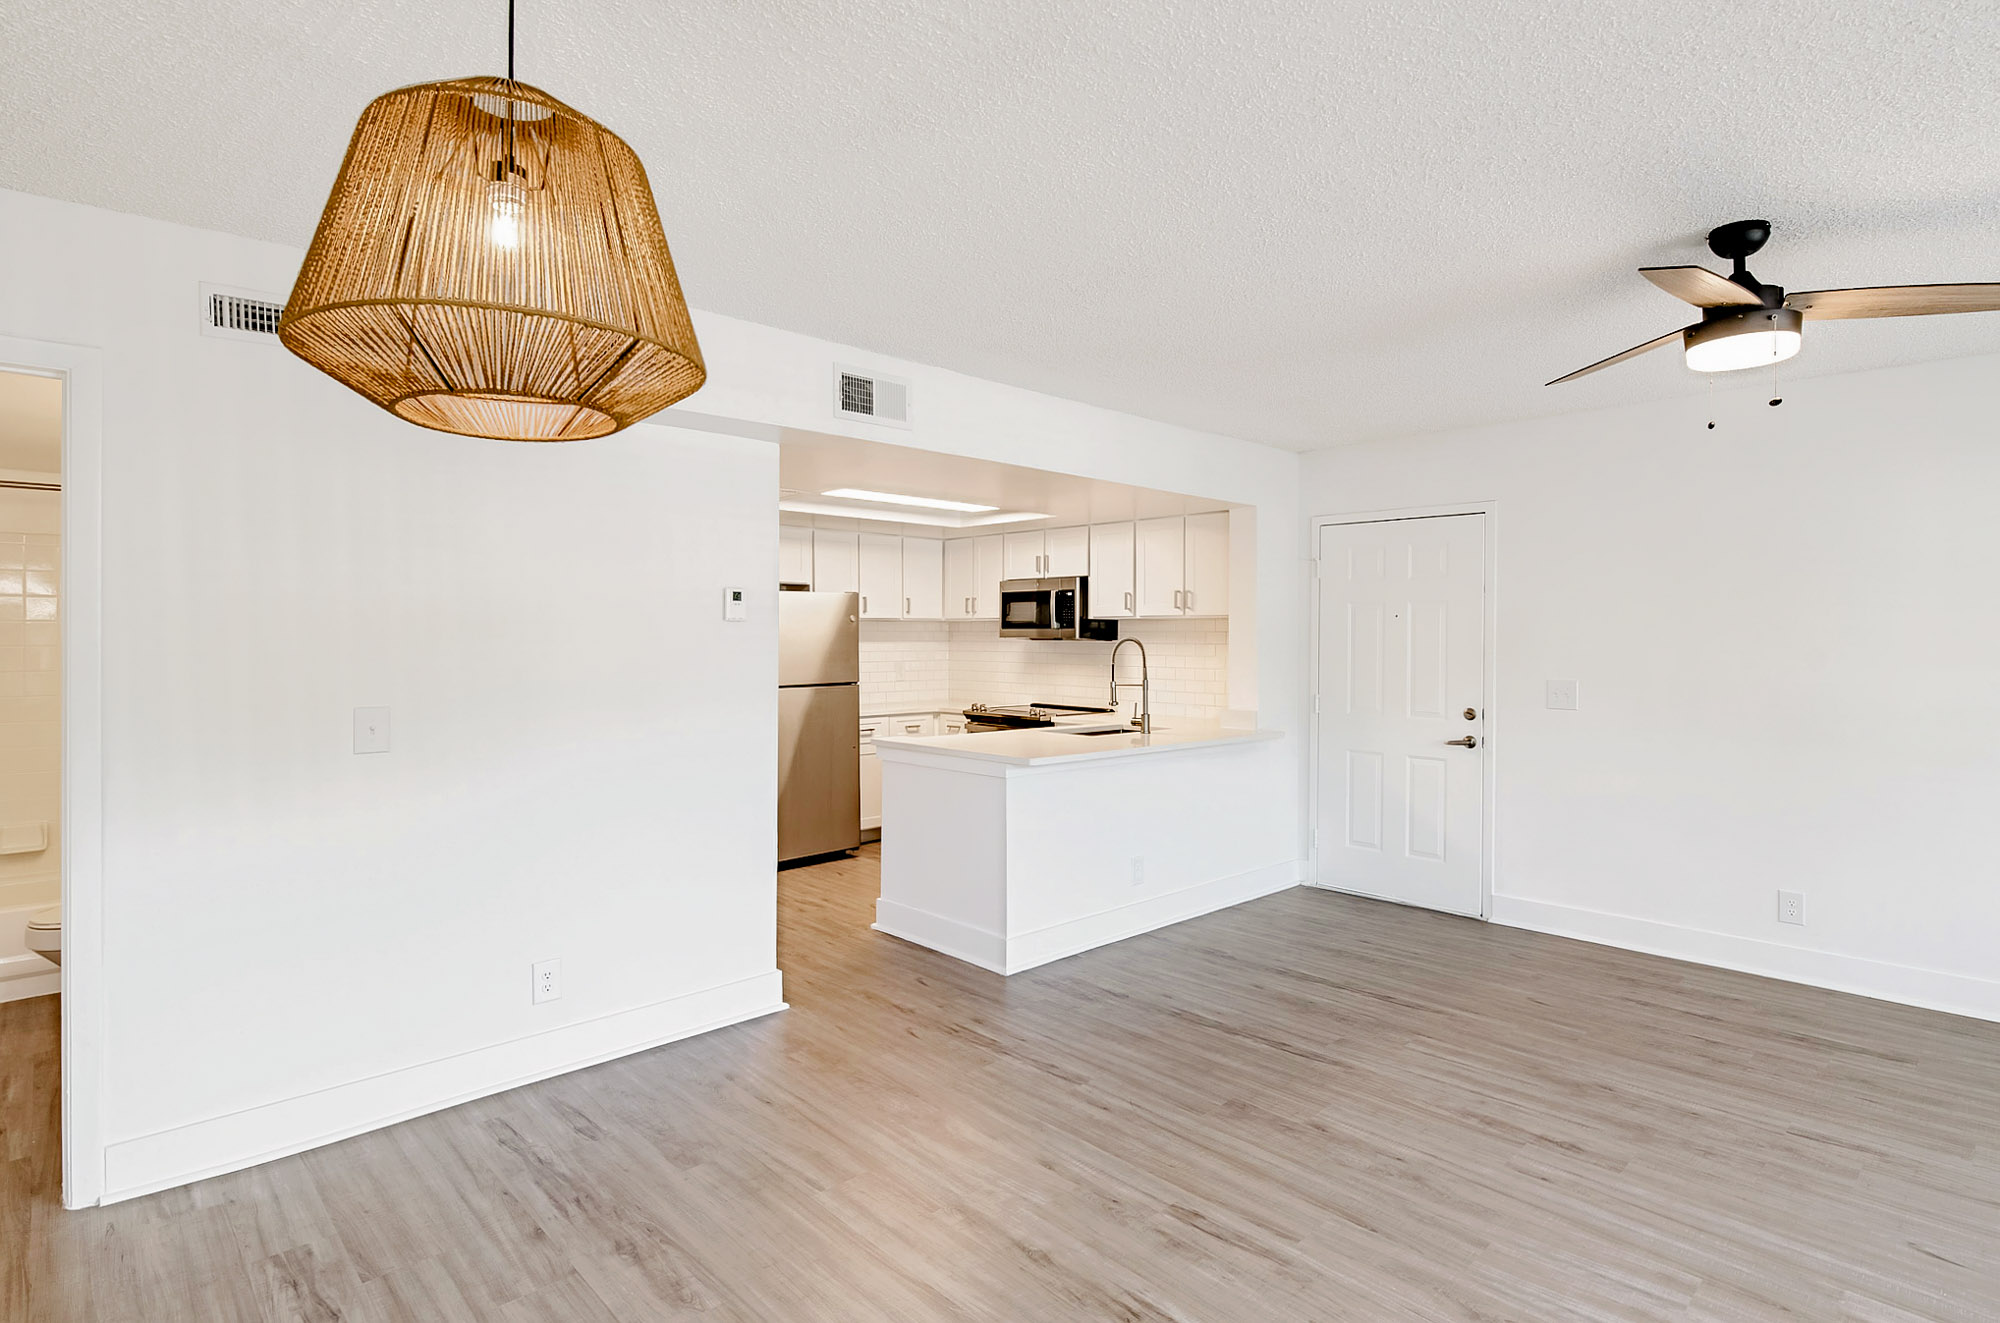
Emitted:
pixel 733 605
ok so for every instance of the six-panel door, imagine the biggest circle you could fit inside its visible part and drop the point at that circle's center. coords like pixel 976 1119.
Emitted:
pixel 1402 647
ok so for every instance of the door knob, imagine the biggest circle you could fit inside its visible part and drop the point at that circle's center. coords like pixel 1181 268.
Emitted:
pixel 1471 714
pixel 1469 742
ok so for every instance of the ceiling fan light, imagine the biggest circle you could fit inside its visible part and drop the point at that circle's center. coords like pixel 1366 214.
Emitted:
pixel 1746 338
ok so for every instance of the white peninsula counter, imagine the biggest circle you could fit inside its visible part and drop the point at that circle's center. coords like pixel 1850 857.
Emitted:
pixel 1012 848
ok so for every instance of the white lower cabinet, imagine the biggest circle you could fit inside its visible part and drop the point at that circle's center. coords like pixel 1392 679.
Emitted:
pixel 871 789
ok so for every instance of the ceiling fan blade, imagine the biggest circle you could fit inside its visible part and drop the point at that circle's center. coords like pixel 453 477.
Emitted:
pixel 1700 286
pixel 1633 352
pixel 1896 300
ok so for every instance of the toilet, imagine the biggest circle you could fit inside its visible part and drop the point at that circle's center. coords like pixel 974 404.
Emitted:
pixel 45 933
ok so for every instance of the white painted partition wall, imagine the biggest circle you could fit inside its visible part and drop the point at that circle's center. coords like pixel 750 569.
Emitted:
pixel 577 769
pixel 1786 648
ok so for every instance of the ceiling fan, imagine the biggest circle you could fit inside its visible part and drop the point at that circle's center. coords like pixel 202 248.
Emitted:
pixel 1746 323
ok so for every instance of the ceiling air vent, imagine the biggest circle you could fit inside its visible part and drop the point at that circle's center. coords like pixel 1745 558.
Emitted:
pixel 240 314
pixel 871 396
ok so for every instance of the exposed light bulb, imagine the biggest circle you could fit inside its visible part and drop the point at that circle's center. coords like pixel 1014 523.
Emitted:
pixel 508 202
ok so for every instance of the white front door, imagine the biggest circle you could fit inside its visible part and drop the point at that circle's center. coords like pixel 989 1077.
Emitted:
pixel 1401 682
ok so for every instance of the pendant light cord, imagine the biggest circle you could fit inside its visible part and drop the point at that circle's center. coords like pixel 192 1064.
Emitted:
pixel 510 40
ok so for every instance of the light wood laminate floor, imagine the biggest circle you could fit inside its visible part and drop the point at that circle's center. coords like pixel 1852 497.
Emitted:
pixel 1308 1107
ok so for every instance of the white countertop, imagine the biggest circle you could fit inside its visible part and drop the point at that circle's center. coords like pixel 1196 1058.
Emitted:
pixel 1041 745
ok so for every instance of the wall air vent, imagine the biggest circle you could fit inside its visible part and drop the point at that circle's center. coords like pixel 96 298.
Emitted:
pixel 240 314
pixel 871 397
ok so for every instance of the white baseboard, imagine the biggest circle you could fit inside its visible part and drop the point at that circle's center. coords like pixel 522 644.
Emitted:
pixel 220 1144
pixel 960 941
pixel 1960 994
pixel 1010 955
pixel 1027 950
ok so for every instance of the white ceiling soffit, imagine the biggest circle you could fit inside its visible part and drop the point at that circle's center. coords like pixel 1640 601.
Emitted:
pixel 1298 222
pixel 30 423
pixel 812 463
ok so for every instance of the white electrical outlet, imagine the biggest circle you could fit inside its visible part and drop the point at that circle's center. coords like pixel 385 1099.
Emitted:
pixel 1560 695
pixel 548 980
pixel 1138 871
pixel 1792 907
pixel 371 730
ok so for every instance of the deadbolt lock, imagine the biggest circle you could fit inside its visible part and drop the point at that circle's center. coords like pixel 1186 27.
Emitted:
pixel 1471 714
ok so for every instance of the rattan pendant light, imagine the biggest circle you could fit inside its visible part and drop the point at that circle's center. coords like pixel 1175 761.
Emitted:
pixel 491 263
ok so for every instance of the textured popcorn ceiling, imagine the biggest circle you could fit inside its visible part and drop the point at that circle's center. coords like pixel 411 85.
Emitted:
pixel 1306 223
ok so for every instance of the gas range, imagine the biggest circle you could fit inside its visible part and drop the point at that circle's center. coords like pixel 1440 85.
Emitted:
pixel 1024 717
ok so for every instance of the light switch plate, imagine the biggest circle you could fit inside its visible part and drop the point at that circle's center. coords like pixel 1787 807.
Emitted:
pixel 734 608
pixel 371 730
pixel 1560 695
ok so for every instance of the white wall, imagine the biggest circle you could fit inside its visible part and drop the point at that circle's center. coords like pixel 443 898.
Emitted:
pixel 1788 645
pixel 583 764
pixel 298 941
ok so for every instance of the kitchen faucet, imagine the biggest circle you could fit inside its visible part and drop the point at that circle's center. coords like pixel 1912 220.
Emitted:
pixel 1145 686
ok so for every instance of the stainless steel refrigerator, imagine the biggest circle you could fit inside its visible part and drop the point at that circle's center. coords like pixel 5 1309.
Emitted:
pixel 819 723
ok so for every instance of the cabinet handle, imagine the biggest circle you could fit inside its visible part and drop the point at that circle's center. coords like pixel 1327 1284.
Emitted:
pixel 1189 603
pixel 912 726
pixel 1128 601
pixel 1177 601
pixel 864 604
pixel 906 606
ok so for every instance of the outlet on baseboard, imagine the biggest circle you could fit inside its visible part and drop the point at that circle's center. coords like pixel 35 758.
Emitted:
pixel 1138 871
pixel 548 980
pixel 1792 907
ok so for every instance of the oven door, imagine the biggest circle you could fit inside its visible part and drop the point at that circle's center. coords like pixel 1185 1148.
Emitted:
pixel 1028 610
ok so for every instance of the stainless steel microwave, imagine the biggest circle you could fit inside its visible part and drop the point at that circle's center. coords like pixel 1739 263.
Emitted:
pixel 1050 609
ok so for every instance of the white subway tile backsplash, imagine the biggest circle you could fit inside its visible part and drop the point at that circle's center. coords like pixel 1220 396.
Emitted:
pixel 923 665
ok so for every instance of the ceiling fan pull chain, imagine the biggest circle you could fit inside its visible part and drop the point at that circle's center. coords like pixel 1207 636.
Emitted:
pixel 1710 378
pixel 1777 368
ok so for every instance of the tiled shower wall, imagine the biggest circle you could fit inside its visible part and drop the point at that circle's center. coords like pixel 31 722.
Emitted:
pixel 30 687
pixel 916 666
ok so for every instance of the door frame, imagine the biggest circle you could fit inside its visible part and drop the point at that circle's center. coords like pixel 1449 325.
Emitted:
pixel 1489 679
pixel 80 369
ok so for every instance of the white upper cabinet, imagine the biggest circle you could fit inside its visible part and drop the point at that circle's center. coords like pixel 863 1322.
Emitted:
pixel 1159 561
pixel 1206 584
pixel 1181 565
pixel 795 554
pixel 987 555
pixel 1112 594
pixel 836 566
pixel 923 578
pixel 1067 552
pixel 972 573
pixel 1047 555
pixel 1021 556
pixel 881 576
pixel 959 579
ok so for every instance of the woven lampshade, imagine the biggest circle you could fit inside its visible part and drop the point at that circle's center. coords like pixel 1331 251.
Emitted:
pixel 491 263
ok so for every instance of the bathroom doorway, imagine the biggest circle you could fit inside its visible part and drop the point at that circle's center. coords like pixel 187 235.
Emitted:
pixel 31 771
pixel 51 457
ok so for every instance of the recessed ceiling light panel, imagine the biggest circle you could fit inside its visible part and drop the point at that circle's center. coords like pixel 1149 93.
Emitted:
pixel 894 498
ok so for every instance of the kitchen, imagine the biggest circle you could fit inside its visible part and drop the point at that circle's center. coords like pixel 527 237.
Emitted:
pixel 990 607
